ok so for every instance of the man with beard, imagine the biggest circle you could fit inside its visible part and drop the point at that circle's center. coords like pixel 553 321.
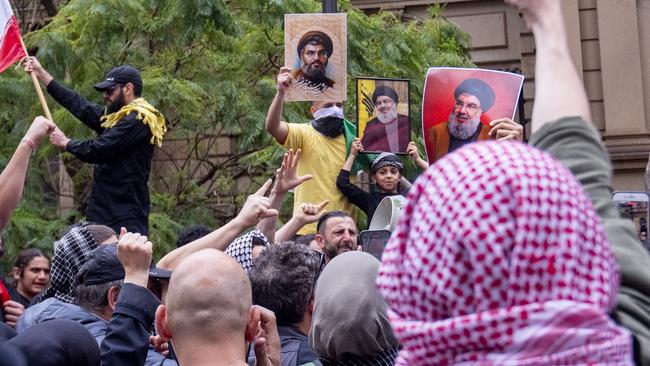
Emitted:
pixel 314 50
pixel 127 130
pixel 337 234
pixel 473 97
pixel 389 131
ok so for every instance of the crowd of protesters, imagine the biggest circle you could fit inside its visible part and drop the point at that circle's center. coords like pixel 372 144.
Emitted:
pixel 505 254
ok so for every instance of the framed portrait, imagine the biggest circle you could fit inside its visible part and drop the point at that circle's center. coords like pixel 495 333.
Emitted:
pixel 316 50
pixel 458 104
pixel 383 121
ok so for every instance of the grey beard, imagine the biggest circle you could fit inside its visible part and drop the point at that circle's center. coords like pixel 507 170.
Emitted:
pixel 387 117
pixel 463 131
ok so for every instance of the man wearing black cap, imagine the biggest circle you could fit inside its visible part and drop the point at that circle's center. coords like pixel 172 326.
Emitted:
pixel 473 97
pixel 127 130
pixel 112 286
pixel 388 131
pixel 314 50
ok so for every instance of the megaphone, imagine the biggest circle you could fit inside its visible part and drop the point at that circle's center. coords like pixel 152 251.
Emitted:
pixel 387 213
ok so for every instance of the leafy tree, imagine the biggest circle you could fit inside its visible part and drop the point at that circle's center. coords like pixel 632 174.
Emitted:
pixel 210 67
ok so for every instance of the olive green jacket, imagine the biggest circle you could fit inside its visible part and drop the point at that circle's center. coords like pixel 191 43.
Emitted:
pixel 578 146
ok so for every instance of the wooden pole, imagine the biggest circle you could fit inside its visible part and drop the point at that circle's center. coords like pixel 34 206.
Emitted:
pixel 65 182
pixel 37 86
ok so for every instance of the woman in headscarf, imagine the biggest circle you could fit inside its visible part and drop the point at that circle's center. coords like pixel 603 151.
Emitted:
pixel 350 325
pixel 500 259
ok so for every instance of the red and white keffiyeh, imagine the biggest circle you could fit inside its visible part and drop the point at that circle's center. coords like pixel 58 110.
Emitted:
pixel 500 259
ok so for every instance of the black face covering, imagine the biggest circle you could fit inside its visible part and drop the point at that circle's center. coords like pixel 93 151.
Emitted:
pixel 329 126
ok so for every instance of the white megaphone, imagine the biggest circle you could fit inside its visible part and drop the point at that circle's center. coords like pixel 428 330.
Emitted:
pixel 383 222
pixel 387 213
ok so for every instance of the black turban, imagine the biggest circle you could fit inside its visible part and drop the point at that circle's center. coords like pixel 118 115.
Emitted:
pixel 385 90
pixel 479 89
pixel 316 37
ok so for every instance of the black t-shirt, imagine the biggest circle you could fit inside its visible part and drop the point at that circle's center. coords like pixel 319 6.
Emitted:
pixel 17 297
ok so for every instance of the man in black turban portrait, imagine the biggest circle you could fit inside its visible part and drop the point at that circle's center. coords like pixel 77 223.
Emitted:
pixel 388 131
pixel 472 98
pixel 314 50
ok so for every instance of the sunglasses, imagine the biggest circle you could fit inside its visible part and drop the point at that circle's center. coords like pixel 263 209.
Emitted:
pixel 321 266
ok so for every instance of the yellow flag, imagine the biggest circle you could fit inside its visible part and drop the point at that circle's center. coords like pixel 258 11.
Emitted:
pixel 366 106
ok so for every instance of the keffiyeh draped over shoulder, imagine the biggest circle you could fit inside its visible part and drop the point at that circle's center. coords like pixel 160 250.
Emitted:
pixel 70 253
pixel 500 259
pixel 242 248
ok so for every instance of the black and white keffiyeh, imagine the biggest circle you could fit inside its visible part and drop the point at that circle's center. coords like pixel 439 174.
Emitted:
pixel 70 253
pixel 242 248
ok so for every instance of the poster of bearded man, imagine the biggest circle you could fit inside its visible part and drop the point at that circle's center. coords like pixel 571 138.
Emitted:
pixel 383 122
pixel 316 50
pixel 458 105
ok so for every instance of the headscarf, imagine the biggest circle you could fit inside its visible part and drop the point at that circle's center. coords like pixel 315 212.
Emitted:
pixel 315 37
pixel 70 253
pixel 386 159
pixel 385 90
pixel 499 258
pixel 58 342
pixel 242 248
pixel 146 113
pixel 350 315
pixel 478 88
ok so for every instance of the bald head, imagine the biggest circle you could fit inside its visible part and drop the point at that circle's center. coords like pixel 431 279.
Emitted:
pixel 209 298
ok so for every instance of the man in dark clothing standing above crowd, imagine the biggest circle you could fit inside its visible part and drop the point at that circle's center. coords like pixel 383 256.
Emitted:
pixel 127 130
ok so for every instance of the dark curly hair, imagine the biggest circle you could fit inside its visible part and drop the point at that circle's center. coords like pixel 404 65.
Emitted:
pixel 191 233
pixel 282 279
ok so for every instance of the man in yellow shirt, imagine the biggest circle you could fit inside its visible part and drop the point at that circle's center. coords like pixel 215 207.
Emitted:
pixel 323 147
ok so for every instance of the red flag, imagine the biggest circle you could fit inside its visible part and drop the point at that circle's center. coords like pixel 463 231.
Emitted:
pixel 11 48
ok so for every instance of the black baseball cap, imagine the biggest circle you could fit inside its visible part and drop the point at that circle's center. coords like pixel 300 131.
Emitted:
pixel 122 74
pixel 104 266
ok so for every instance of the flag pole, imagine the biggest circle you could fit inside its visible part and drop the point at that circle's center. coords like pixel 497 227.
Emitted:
pixel 37 86
pixel 64 179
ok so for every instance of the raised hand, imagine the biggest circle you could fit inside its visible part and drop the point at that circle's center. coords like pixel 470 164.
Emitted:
pixel 356 147
pixel 256 207
pixel 414 153
pixel 267 341
pixel 536 11
pixel 284 79
pixel 39 128
pixel 134 252
pixel 33 66
pixel 307 213
pixel 286 177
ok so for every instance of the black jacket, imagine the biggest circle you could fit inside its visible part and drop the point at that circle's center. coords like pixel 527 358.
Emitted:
pixel 367 202
pixel 127 335
pixel 122 157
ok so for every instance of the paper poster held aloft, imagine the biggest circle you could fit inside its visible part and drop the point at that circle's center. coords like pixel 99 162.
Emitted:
pixel 458 105
pixel 316 50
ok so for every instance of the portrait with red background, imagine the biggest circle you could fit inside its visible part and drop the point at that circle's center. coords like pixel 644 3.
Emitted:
pixel 438 97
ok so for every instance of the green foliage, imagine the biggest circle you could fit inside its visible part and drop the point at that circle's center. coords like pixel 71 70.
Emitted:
pixel 210 67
